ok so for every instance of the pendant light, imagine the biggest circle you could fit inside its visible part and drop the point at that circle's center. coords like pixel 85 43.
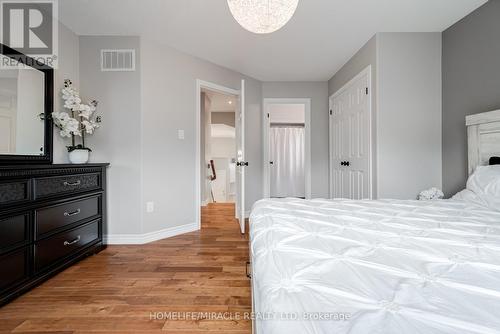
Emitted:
pixel 262 16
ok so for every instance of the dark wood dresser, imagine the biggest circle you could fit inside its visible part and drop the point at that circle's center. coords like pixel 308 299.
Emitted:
pixel 50 217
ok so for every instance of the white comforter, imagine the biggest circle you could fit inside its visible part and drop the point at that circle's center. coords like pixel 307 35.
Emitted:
pixel 382 266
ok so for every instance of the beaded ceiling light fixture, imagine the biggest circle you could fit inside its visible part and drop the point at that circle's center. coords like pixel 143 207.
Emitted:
pixel 262 16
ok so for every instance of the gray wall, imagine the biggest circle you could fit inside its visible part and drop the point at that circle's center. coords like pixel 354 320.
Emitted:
pixel 406 110
pixel 227 118
pixel 366 56
pixel 142 112
pixel 68 69
pixel 169 104
pixel 118 141
pixel 318 93
pixel 409 114
pixel 471 84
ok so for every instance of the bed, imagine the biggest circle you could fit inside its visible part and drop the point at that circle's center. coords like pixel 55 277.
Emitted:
pixel 388 266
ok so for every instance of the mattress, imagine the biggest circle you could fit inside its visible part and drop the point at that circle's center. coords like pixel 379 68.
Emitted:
pixel 339 266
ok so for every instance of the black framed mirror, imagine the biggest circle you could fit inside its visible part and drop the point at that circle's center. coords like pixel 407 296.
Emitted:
pixel 26 105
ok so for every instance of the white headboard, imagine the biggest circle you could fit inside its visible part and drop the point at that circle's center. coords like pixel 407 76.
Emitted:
pixel 483 132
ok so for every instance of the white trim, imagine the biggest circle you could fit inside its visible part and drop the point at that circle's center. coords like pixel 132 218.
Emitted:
pixel 330 148
pixel 480 150
pixel 368 72
pixel 140 239
pixel 482 118
pixel 307 168
pixel 214 87
pixel 240 126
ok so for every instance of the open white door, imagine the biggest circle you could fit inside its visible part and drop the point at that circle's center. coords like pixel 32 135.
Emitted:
pixel 241 163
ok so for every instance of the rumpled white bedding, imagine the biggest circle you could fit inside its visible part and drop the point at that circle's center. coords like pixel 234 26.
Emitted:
pixel 392 266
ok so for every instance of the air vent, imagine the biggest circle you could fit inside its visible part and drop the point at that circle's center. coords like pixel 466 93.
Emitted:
pixel 118 60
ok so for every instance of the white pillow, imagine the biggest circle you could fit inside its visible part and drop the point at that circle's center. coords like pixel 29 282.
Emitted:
pixel 485 183
pixel 468 196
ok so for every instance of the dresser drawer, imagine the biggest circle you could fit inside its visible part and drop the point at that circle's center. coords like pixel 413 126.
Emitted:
pixel 63 244
pixel 60 216
pixel 14 268
pixel 14 231
pixel 52 186
pixel 14 192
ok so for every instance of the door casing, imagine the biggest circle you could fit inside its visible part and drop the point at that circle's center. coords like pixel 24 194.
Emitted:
pixel 267 125
pixel 200 84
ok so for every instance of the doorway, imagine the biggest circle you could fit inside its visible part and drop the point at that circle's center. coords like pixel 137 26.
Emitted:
pixel 287 148
pixel 220 167
pixel 218 151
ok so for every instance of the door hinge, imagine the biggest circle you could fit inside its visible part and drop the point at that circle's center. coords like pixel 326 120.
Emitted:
pixel 331 112
pixel 366 90
pixel 267 115
pixel 248 269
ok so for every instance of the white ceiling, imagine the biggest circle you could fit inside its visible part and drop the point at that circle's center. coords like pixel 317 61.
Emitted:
pixel 317 41
pixel 221 102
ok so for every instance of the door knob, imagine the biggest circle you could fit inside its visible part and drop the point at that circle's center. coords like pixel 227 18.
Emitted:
pixel 271 162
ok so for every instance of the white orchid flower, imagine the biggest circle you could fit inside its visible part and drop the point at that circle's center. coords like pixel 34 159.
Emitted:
pixel 81 125
pixel 85 114
pixel 60 118
pixel 90 126
pixel 85 111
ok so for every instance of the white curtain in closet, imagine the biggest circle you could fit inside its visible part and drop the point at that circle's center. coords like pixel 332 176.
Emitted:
pixel 287 145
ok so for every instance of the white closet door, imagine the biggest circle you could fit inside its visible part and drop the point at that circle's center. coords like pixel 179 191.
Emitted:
pixel 350 140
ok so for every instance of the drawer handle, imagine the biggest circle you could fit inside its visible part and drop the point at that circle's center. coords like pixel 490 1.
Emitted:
pixel 69 243
pixel 74 213
pixel 72 184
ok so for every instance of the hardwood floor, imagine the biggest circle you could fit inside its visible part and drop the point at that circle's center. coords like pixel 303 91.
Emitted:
pixel 133 289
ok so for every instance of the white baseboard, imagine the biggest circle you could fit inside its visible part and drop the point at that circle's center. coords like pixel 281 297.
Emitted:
pixel 140 239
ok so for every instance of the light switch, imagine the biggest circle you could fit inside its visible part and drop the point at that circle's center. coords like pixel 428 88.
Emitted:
pixel 150 207
pixel 180 134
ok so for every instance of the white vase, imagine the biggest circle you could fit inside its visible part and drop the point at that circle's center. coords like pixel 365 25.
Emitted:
pixel 79 156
